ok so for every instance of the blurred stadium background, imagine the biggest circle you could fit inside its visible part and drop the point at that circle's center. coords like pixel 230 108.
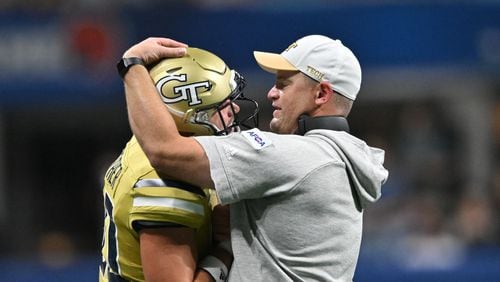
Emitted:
pixel 430 97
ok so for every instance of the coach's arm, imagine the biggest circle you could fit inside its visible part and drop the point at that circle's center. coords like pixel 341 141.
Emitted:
pixel 169 153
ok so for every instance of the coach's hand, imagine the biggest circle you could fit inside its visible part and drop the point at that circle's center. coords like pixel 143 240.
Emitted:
pixel 153 49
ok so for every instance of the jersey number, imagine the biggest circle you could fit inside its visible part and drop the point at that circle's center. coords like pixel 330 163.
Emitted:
pixel 112 258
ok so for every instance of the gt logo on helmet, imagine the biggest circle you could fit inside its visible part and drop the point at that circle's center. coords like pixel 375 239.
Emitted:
pixel 188 92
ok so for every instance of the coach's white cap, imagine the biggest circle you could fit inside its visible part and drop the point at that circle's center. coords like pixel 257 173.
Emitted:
pixel 322 59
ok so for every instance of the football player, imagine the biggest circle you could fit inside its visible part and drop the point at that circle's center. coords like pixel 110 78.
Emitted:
pixel 158 229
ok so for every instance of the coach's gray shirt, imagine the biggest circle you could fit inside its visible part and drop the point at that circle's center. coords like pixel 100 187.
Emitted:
pixel 294 214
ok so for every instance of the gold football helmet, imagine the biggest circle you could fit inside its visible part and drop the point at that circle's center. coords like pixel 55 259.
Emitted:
pixel 197 86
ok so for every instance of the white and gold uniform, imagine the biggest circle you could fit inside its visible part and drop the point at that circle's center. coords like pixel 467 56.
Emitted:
pixel 134 197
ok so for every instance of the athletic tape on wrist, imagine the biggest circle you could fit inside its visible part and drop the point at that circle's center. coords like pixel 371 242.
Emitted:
pixel 214 266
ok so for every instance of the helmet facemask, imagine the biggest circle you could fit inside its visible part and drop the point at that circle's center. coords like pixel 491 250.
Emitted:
pixel 248 120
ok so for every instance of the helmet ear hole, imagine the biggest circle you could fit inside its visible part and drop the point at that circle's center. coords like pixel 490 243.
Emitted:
pixel 203 116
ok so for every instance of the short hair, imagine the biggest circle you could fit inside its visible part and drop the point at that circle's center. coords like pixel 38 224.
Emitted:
pixel 342 103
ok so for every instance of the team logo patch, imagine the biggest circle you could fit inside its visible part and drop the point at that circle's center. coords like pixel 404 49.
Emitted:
pixel 256 138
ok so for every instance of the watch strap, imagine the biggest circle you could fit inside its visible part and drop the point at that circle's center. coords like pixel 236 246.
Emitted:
pixel 125 63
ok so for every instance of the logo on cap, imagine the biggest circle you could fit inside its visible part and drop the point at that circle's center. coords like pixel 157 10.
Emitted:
pixel 314 73
pixel 293 45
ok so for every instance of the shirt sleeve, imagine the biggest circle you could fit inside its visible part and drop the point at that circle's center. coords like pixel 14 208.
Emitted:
pixel 253 164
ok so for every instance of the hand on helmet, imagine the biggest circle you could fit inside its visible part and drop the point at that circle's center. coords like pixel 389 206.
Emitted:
pixel 153 49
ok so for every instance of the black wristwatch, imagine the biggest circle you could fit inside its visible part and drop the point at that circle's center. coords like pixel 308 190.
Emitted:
pixel 125 63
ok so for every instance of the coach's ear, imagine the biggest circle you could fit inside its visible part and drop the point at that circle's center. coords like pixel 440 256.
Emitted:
pixel 324 93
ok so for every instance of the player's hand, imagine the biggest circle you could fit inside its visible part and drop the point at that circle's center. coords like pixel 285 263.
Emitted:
pixel 153 49
pixel 220 223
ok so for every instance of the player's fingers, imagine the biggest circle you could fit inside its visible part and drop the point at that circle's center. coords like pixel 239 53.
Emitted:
pixel 167 42
pixel 169 52
pixel 172 48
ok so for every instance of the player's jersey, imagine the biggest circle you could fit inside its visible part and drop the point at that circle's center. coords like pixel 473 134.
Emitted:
pixel 134 195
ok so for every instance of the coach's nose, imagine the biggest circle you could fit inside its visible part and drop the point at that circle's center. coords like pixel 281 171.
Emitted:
pixel 273 93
